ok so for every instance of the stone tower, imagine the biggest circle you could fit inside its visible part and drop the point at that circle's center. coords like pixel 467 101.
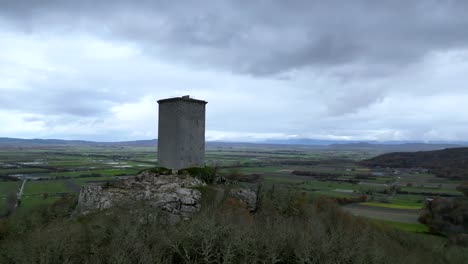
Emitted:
pixel 181 134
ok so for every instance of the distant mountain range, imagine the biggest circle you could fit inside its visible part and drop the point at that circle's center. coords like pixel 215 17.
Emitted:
pixel 388 146
pixel 60 142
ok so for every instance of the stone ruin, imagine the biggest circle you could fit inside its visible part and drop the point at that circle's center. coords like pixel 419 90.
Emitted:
pixel 172 194
pixel 181 144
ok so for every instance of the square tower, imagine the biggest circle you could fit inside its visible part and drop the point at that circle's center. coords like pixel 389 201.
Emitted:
pixel 181 132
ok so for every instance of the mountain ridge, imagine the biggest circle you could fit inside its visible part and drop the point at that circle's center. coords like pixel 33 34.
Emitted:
pixel 448 163
pixel 387 146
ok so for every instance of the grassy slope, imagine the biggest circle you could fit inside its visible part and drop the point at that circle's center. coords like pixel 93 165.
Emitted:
pixel 287 229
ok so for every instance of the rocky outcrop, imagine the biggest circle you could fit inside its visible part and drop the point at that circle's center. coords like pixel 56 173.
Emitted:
pixel 246 196
pixel 169 193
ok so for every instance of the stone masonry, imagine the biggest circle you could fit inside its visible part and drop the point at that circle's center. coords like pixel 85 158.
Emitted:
pixel 170 193
pixel 181 133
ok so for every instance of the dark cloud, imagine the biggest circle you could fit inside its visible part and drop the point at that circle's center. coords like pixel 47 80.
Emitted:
pixel 359 69
pixel 264 37
pixel 349 103
pixel 63 102
pixel 62 96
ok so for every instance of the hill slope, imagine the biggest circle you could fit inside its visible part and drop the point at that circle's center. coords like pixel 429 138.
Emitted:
pixel 400 147
pixel 449 163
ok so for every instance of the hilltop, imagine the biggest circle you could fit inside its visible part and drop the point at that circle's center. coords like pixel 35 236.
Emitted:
pixel 448 163
pixel 392 147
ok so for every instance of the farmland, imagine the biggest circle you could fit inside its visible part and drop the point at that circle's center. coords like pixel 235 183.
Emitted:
pixel 52 172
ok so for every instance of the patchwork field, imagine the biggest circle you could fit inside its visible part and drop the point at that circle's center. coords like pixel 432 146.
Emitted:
pixel 394 196
pixel 409 216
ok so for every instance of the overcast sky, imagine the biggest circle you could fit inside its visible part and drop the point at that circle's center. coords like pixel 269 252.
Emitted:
pixel 358 70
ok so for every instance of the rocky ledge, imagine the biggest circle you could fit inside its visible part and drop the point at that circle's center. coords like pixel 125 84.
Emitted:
pixel 170 193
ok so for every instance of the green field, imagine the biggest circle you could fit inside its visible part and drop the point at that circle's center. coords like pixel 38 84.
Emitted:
pixel 8 187
pixel 64 170
pixel 29 202
pixel 416 228
pixel 394 205
pixel 41 187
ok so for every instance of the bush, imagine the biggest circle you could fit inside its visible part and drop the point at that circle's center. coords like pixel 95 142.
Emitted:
pixel 207 174
pixel 463 188
pixel 349 200
pixel 251 178
pixel 158 171
pixel 287 229
pixel 10 204
pixel 447 216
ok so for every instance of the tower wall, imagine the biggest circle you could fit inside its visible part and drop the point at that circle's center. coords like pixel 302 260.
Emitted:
pixel 181 133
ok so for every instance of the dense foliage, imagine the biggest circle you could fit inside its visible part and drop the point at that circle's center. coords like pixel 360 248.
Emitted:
pixel 449 163
pixel 326 174
pixel 207 174
pixel 158 171
pixel 448 216
pixel 288 228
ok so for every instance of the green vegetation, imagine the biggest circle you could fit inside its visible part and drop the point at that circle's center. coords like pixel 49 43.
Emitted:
pixel 287 228
pixel 463 188
pixel 409 200
pixel 85 181
pixel 8 187
pixel 41 187
pixel 207 174
pixel 395 206
pixel 30 203
pixel 416 228
pixel 447 163
pixel 88 164
pixel 158 170
pixel 448 217
pixel 333 173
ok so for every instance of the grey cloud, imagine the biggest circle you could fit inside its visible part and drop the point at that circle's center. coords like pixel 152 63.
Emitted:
pixel 32 119
pixel 63 103
pixel 358 99
pixel 59 97
pixel 265 37
pixel 89 88
pixel 336 68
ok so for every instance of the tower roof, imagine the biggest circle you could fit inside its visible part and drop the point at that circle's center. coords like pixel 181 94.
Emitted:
pixel 185 98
